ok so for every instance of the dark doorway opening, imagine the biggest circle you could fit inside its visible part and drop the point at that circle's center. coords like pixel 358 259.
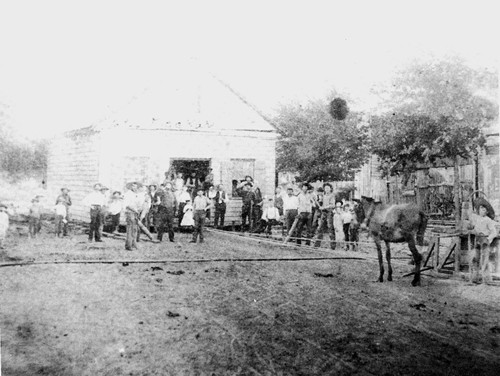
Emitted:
pixel 188 166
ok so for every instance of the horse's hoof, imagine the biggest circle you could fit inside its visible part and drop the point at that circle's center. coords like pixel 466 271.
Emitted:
pixel 415 283
pixel 389 279
pixel 380 280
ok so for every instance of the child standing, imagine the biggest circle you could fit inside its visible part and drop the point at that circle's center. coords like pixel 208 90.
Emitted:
pixel 4 224
pixel 35 216
pixel 347 217
pixel 61 212
pixel 187 215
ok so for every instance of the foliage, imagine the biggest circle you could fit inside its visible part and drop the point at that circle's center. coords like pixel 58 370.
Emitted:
pixel 437 112
pixel 21 158
pixel 317 146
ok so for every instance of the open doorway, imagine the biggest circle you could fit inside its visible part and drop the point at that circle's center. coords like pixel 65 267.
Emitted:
pixel 187 166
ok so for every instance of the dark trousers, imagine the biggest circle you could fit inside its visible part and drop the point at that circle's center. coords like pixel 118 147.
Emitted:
pixel 166 222
pixel 220 212
pixel 115 221
pixel 59 224
pixel 245 215
pixel 305 220
pixel 199 221
pixel 95 223
pixel 290 216
pixel 266 225
pixel 35 225
pixel 347 237
pixel 132 230
pixel 325 223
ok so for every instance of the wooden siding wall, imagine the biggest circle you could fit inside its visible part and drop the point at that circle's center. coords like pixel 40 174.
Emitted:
pixel 73 162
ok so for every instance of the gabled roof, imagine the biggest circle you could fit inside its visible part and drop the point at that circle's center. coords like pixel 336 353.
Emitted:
pixel 189 100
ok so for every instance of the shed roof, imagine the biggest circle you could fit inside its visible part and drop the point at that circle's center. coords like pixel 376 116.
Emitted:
pixel 187 101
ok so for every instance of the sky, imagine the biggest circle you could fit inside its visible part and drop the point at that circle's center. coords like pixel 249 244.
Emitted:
pixel 67 64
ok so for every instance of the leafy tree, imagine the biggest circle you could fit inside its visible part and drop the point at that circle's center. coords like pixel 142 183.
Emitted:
pixel 317 146
pixel 20 158
pixel 437 111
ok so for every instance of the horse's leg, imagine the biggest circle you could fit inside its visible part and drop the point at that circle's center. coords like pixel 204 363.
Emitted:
pixel 388 258
pixel 417 257
pixel 380 258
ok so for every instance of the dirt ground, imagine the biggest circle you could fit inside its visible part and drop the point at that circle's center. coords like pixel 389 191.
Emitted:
pixel 193 316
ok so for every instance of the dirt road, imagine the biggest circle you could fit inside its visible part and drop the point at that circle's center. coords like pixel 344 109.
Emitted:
pixel 295 317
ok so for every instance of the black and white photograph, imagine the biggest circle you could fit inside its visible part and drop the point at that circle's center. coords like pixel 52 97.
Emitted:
pixel 249 188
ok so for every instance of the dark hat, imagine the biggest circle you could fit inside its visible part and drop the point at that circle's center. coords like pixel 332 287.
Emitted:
pixel 104 188
pixel 64 188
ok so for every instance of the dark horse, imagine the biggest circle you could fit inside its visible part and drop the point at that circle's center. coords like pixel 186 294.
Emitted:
pixel 393 224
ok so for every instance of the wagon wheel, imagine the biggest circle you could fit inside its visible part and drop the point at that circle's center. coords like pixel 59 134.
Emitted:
pixel 490 212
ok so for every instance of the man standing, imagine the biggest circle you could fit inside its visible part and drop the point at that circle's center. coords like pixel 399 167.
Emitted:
pixel 66 200
pixel 133 204
pixel 200 206
pixel 96 201
pixel 193 183
pixel 291 208
pixel 305 214
pixel 244 190
pixel 220 206
pixel 326 218
pixel 166 211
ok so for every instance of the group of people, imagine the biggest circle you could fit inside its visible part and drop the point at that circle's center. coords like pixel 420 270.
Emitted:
pixel 147 207
pixel 305 212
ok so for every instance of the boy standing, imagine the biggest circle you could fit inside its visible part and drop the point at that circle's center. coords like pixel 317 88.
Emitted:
pixel 67 202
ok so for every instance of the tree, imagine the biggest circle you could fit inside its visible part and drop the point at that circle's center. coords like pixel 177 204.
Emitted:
pixel 437 111
pixel 20 158
pixel 317 146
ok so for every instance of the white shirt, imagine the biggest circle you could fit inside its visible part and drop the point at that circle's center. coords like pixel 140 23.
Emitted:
pixel 178 184
pixel 60 209
pixel 212 194
pixel 184 196
pixel 115 207
pixel 346 217
pixel 95 198
pixel 271 212
pixel 133 200
pixel 290 202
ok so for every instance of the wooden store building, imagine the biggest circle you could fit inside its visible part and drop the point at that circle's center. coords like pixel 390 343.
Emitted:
pixel 188 123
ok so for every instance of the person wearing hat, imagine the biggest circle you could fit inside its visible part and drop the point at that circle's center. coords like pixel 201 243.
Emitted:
pixel 132 202
pixel 96 202
pixel 325 221
pixel 35 216
pixel 67 202
pixel 60 211
pixel 305 213
pixel 244 190
pixel 166 211
pixel 200 206
pixel 484 231
pixel 220 206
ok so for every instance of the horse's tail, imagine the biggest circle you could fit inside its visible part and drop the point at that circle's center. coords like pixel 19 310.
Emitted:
pixel 421 228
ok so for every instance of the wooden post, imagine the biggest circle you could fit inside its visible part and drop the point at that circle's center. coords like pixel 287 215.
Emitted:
pixel 458 210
